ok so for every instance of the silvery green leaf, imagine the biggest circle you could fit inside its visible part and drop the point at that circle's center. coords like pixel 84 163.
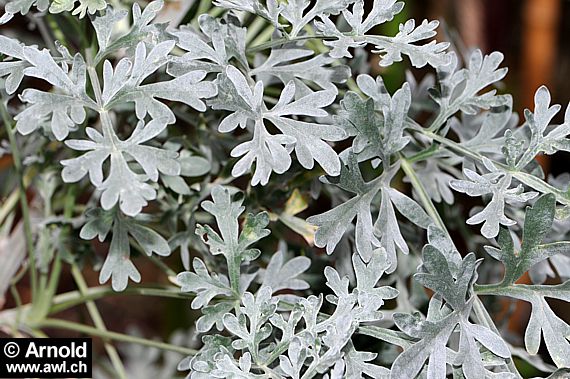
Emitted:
pixel 210 51
pixel 375 135
pixel 205 285
pixel 374 89
pixel 358 118
pixel 58 6
pixel 251 323
pixel 284 64
pixel 434 333
pixel 443 243
pixel 382 11
pixel 117 266
pixel 292 363
pixel 388 229
pixel 390 49
pixel 460 89
pixel 121 184
pixel 333 224
pixel 124 84
pixel 176 184
pixel 369 297
pixel 280 275
pixel 385 231
pixel 215 348
pixel 64 108
pixel 498 185
pixel 141 30
pixel 193 165
pixel 359 363
pixel 436 274
pixel 213 315
pixel 104 25
pixel 271 152
pixel 227 368
pixel 432 53
pixel 310 138
pixel 543 321
pixel 386 226
pixel 23 7
pixel 539 122
pixel 234 246
pixel 486 132
pixel 512 149
pixel 269 12
pixel 12 69
pixel 538 222
pixel 433 337
pixel 89 6
pixel 298 14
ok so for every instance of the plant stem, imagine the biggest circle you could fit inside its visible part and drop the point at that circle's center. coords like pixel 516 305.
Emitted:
pixel 422 193
pixel 16 158
pixel 99 323
pixel 72 299
pixel 8 205
pixel 68 325
pixel 282 41
pixel 203 7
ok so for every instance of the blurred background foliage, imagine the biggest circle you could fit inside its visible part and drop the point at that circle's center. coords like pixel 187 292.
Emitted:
pixel 534 36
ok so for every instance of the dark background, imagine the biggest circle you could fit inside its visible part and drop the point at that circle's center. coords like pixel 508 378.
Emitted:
pixel 534 36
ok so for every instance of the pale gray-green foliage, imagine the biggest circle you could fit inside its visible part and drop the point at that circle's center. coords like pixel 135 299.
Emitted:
pixel 55 6
pixel 117 265
pixel 270 112
pixel 496 183
pixel 319 344
pixel 437 328
pixel 271 152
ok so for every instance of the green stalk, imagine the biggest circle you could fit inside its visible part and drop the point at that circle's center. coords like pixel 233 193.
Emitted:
pixel 72 299
pixel 69 325
pixel 99 323
pixel 203 7
pixel 16 158
pixel 422 193
pixel 8 205
pixel 254 28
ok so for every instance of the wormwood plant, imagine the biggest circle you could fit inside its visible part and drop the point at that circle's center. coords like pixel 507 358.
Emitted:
pixel 250 138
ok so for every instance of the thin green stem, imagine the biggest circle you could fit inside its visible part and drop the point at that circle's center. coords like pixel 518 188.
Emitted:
pixel 68 325
pixel 163 266
pixel 18 301
pixel 99 323
pixel 283 41
pixel 72 299
pixel 17 160
pixel 424 196
pixel 8 205
pixel 203 7
pixel 255 27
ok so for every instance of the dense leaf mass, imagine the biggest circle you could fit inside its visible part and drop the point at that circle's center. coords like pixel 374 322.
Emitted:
pixel 214 138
